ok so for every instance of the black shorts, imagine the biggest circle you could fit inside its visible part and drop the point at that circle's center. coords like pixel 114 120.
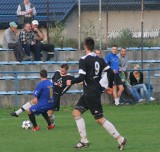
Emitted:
pixel 117 80
pixel 91 102
pixel 56 105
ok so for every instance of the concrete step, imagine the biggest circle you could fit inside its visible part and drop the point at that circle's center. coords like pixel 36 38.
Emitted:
pixel 37 67
pixel 26 85
pixel 67 99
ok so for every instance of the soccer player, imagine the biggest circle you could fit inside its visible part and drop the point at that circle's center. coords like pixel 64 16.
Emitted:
pixel 113 61
pixel 90 70
pixel 59 82
pixel 43 101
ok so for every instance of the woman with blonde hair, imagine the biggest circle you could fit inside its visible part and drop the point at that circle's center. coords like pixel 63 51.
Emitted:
pixel 136 80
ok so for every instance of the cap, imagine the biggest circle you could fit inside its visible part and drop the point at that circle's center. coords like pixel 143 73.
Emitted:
pixel 13 24
pixel 35 22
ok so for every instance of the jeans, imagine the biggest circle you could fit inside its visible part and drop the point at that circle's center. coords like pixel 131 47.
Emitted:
pixel 143 91
pixel 35 49
pixel 134 93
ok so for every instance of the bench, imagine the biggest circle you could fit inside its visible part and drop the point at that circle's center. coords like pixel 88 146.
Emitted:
pixel 138 48
pixel 144 61
pixel 8 54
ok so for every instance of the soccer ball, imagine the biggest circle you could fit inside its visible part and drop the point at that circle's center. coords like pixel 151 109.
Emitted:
pixel 26 124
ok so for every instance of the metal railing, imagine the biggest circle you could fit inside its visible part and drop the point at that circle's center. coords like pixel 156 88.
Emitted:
pixel 17 73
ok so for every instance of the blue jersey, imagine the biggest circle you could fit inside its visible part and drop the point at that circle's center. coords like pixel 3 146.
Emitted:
pixel 113 61
pixel 44 92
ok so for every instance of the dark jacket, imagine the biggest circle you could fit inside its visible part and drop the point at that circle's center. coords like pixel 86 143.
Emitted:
pixel 134 81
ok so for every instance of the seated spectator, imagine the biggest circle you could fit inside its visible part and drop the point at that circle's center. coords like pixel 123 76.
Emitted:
pixel 39 36
pixel 11 41
pixel 136 80
pixel 28 41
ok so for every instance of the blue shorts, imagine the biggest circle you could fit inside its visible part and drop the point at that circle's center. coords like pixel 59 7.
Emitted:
pixel 40 108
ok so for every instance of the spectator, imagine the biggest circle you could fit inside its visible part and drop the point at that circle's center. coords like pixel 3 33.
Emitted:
pixel 136 80
pixel 123 61
pixel 28 41
pixel 26 12
pixel 98 53
pixel 39 36
pixel 113 61
pixel 10 41
pixel 129 95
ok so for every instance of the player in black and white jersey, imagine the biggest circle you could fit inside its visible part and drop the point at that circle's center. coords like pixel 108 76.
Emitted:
pixel 90 71
pixel 59 82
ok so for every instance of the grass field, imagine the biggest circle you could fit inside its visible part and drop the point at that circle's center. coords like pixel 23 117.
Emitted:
pixel 140 124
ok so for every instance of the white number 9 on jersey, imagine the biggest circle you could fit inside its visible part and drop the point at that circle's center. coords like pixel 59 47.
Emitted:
pixel 97 68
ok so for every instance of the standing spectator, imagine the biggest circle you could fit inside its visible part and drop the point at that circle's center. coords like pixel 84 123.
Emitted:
pixel 113 61
pixel 26 12
pixel 136 80
pixel 28 41
pixel 123 62
pixel 39 36
pixel 10 41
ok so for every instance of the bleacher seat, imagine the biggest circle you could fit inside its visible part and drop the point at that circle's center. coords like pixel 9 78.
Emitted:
pixel 58 10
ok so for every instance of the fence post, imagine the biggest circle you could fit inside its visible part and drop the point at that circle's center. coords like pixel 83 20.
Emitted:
pixel 149 86
pixel 142 31
pixel 100 24
pixel 79 25
pixel 16 90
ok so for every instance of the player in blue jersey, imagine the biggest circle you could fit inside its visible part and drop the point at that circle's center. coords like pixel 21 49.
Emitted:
pixel 113 61
pixel 41 103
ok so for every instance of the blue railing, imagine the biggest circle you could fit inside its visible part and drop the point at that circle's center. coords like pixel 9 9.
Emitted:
pixel 16 79
pixel 17 73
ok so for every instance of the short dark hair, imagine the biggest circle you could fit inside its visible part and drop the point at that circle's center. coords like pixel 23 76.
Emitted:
pixel 43 73
pixel 65 66
pixel 114 46
pixel 89 43
pixel 123 48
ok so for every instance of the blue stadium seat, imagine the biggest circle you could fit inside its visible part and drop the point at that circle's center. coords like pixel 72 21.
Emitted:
pixel 59 10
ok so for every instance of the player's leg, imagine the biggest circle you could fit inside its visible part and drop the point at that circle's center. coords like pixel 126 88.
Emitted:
pixel 46 117
pixel 26 106
pixel 31 111
pixel 80 108
pixel 94 104
pixel 56 107
pixel 110 128
pixel 51 116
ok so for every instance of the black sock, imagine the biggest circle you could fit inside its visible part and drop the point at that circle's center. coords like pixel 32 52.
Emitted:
pixel 32 119
pixel 45 116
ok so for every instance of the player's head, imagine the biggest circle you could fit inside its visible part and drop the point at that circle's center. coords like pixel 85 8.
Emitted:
pixel 114 49
pixel 43 73
pixel 89 44
pixel 64 68
pixel 123 52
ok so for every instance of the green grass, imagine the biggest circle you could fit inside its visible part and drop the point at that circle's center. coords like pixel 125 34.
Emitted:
pixel 140 124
